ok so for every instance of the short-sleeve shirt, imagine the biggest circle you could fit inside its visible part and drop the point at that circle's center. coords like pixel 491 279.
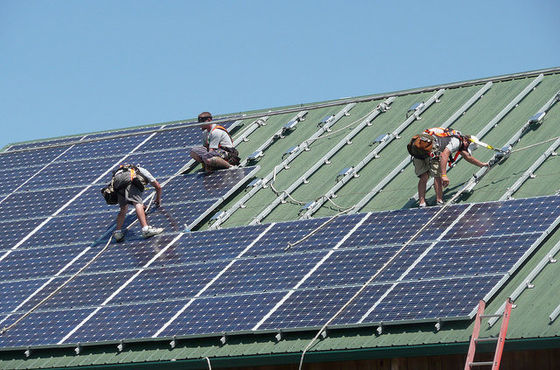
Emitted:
pixel 455 144
pixel 147 175
pixel 216 138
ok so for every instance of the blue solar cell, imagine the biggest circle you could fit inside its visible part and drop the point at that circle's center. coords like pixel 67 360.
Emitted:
pixel 508 217
pixel 85 290
pixel 356 266
pixel 178 138
pixel 161 164
pixel 173 218
pixel 43 143
pixel 201 246
pixel 196 186
pixel 14 177
pixel 281 234
pixel 126 322
pixel 11 232
pixel 431 299
pixel 473 256
pixel 222 314
pixel 131 254
pixel 308 308
pixel 170 282
pixel 89 201
pixel 14 292
pixel 24 159
pixel 72 229
pixel 394 227
pixel 104 148
pixel 36 203
pixel 38 262
pixel 147 130
pixel 264 274
pixel 42 328
pixel 71 173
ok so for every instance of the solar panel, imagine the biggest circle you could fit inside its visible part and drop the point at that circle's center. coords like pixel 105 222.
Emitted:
pixel 104 148
pixel 17 205
pixel 38 262
pixel 43 143
pixel 187 137
pixel 38 157
pixel 284 276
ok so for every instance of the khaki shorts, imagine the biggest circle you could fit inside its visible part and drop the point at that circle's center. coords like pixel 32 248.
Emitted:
pixel 430 165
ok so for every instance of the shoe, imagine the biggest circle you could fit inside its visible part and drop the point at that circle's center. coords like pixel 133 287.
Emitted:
pixel 118 235
pixel 421 205
pixel 439 202
pixel 151 231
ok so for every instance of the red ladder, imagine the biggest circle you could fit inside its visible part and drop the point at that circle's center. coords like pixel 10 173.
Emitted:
pixel 469 364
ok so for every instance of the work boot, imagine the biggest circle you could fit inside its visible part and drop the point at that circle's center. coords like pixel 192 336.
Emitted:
pixel 118 235
pixel 151 231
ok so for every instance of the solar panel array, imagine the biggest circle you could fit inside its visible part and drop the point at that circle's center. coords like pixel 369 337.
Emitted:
pixel 54 220
pixel 280 276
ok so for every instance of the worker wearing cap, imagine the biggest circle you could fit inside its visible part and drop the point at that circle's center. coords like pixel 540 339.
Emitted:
pixel 217 151
pixel 448 145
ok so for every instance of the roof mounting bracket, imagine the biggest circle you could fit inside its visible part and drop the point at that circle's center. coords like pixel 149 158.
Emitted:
pixel 78 349
pixel 438 325
pixel 325 120
pixel 324 333
pixel 380 139
pixel 379 329
pixel 537 118
pixel 278 336
pixel 383 107
pixel 503 154
pixel 289 127
pixel 347 171
pixel 223 339
pixel 255 156
pixel 414 110
pixel 27 352
pixel 530 285
pixel 307 206
pixel 173 343
pixel 290 151
pixel 255 182
pixel 217 216
pixel 120 346
pixel 551 259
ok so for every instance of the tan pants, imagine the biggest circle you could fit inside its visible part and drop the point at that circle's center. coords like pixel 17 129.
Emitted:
pixel 430 165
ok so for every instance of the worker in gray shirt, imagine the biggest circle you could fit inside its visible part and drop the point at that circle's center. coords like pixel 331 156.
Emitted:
pixel 129 182
pixel 217 151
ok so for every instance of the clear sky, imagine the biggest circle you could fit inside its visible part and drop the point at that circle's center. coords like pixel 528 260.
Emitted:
pixel 69 67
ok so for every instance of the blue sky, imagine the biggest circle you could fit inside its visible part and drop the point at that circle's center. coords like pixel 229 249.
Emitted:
pixel 69 67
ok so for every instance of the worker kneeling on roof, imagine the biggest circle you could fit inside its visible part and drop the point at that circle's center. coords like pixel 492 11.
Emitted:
pixel 217 151
pixel 432 150
pixel 129 182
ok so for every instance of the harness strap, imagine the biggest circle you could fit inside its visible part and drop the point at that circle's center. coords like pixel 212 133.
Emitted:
pixel 219 128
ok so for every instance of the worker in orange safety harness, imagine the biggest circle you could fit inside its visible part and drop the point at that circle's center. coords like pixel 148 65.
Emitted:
pixel 447 145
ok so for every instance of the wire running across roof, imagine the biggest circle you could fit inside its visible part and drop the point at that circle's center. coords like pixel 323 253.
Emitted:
pixel 285 276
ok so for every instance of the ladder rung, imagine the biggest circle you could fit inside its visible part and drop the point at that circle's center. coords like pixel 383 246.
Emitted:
pixel 489 363
pixel 487 316
pixel 479 340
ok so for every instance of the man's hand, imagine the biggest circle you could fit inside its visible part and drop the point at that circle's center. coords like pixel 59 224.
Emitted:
pixel 444 180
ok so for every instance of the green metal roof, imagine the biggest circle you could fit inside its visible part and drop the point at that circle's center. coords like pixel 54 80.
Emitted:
pixel 529 325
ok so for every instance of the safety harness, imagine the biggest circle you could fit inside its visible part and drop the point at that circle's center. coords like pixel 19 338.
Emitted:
pixel 444 135
pixel 219 128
